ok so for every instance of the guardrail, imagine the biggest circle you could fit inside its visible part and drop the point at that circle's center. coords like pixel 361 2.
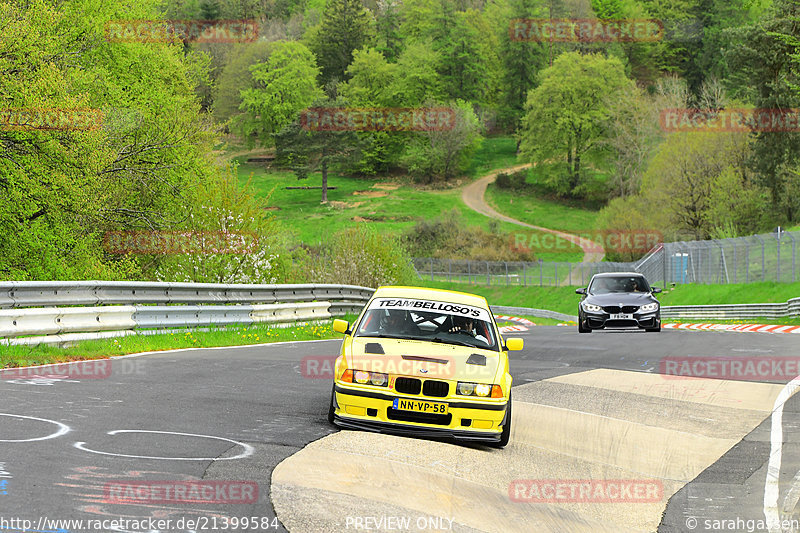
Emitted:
pixel 790 309
pixel 84 310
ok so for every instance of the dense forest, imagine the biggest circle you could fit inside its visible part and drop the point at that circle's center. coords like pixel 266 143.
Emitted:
pixel 589 113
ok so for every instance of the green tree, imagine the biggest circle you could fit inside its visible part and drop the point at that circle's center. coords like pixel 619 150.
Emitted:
pixel 521 61
pixel 764 71
pixel 305 150
pixel 285 84
pixel 443 154
pixel 371 85
pixel 567 115
pixel 235 77
pixel 346 26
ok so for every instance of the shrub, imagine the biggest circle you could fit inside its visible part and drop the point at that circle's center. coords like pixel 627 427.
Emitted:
pixel 449 237
pixel 360 256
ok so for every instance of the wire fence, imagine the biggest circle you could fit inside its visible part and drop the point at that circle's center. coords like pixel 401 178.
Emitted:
pixel 765 257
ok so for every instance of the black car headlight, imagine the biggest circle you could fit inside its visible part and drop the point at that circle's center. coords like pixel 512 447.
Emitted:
pixel 591 307
pixel 646 308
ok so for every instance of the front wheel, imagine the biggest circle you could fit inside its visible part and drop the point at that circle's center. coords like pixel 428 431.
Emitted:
pixel 331 409
pixel 505 436
pixel 582 329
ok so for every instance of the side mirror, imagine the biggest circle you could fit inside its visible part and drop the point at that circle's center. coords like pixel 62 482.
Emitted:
pixel 514 344
pixel 656 290
pixel 341 326
pixel 580 291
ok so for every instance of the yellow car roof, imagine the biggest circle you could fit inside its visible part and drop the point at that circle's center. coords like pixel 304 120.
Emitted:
pixel 431 294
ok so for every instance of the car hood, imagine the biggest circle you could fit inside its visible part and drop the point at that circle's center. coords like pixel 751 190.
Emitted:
pixel 624 298
pixel 422 359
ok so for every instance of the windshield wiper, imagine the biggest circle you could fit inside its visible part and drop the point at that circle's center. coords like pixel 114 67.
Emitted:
pixel 445 341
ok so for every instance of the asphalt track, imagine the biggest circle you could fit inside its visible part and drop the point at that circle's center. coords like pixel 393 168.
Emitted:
pixel 586 407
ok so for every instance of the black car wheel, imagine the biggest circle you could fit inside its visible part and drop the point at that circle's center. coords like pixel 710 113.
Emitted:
pixel 331 410
pixel 505 436
pixel 582 329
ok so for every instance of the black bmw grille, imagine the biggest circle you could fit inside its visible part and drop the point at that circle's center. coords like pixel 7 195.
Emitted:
pixel 615 309
pixel 435 388
pixel 408 385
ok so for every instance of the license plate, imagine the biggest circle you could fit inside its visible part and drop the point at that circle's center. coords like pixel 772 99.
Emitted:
pixel 420 406
pixel 621 317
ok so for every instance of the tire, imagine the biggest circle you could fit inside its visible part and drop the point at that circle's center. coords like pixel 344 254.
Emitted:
pixel 653 330
pixel 331 409
pixel 582 329
pixel 505 436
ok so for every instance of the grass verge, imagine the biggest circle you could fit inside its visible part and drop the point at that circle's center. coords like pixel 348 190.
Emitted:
pixel 17 356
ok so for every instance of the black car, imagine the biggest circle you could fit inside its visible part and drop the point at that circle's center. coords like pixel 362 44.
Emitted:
pixel 619 300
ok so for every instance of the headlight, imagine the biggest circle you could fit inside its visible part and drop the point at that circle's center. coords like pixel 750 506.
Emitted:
pixel 465 389
pixel 648 307
pixel 483 390
pixel 591 307
pixel 479 389
pixel 364 378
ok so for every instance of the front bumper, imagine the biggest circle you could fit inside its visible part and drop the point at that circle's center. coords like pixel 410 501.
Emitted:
pixel 602 320
pixel 467 420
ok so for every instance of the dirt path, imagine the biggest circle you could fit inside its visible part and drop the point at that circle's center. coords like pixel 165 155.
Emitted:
pixel 473 196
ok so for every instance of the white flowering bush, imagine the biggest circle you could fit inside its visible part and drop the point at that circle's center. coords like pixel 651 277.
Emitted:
pixel 233 241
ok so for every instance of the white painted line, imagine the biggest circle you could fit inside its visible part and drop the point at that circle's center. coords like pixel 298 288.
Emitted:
pixel 248 450
pixel 771 487
pixel 63 429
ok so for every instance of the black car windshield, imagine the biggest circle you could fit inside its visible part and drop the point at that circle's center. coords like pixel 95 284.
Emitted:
pixel 428 320
pixel 617 284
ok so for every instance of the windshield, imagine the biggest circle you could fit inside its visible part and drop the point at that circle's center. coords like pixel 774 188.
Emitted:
pixel 616 284
pixel 428 320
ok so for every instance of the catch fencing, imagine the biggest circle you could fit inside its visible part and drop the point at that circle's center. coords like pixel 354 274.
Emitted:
pixel 765 257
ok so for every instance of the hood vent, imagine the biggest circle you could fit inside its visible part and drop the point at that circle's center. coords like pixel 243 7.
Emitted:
pixel 373 347
pixel 477 359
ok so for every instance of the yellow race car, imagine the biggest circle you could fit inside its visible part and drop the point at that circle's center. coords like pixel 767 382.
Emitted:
pixel 427 363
